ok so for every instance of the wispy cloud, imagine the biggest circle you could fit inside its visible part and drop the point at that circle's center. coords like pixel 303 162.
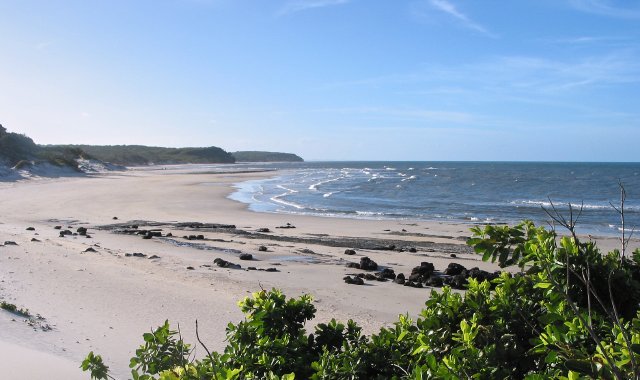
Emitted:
pixel 450 9
pixel 606 8
pixel 516 74
pixel 302 5
pixel 403 113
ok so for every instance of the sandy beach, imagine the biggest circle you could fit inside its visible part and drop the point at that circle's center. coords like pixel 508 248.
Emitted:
pixel 93 294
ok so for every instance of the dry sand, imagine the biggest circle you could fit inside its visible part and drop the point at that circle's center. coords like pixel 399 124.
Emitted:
pixel 103 301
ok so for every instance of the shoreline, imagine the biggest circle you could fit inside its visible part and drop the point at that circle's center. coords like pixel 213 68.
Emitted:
pixel 104 301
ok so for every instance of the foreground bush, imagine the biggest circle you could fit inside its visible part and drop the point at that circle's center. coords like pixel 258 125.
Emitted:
pixel 571 312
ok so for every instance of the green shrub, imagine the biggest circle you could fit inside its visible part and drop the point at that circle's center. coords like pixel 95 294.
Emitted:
pixel 571 312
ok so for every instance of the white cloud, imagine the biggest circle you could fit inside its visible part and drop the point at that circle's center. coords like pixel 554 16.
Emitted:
pixel 607 8
pixel 302 5
pixel 450 9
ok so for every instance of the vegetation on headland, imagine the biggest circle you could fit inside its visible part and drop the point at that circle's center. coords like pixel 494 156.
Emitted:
pixel 570 312
pixel 257 156
pixel 20 151
pixel 138 155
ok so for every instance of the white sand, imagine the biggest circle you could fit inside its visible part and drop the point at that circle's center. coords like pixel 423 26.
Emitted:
pixel 104 301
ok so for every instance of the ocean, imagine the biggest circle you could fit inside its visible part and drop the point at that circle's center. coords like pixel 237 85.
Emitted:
pixel 467 192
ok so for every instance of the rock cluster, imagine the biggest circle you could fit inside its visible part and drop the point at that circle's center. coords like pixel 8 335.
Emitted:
pixel 358 279
pixel 135 254
pixel 455 275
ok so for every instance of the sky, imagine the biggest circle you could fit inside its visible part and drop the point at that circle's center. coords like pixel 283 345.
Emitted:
pixel 414 80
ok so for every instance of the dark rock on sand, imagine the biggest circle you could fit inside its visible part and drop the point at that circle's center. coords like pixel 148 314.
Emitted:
pixel 307 251
pixel 8 242
pixel 370 277
pixel 138 254
pixel 190 268
pixel 368 264
pixel 251 268
pixel 35 240
pixel 353 265
pixel 353 280
pixel 226 264
pixel 169 234
pixel 349 252
pixel 453 255
pixel 30 229
pixel 65 232
pixel 288 225
pixel 435 281
pixel 115 218
pixel 262 248
pixel 246 256
pixel 387 273
pixel 413 284
pixel 263 229
pixel 421 273
pixel 81 231
pixel 413 250
pixel 399 279
pixel 271 270
pixel 89 250
pixel 154 257
pixel 454 269
pixel 57 227
pixel 457 282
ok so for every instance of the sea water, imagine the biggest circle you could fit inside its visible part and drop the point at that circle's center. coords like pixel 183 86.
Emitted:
pixel 469 192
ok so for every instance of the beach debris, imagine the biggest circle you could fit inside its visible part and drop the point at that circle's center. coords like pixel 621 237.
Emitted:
pixel 262 248
pixel 263 229
pixel 246 256
pixel 288 225
pixel 355 280
pixel 226 264
pixel 270 270
pixel 9 242
pixel 349 252
pixel 30 229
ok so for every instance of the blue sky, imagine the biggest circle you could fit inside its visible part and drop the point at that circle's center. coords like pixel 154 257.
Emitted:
pixel 550 80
